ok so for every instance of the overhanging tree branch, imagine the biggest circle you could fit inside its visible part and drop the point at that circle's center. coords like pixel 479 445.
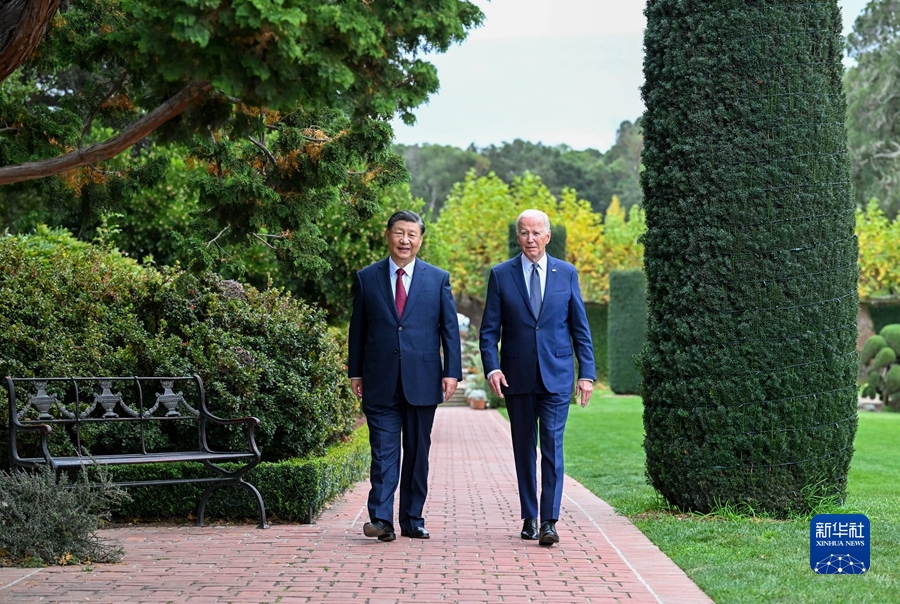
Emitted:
pixel 192 94
pixel 23 24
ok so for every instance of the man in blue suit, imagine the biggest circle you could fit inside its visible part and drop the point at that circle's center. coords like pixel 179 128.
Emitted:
pixel 403 317
pixel 534 308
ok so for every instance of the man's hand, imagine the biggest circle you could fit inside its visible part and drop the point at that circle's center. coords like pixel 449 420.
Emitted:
pixel 585 389
pixel 449 386
pixel 356 387
pixel 495 381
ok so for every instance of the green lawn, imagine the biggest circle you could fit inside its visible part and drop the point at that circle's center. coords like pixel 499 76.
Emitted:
pixel 744 559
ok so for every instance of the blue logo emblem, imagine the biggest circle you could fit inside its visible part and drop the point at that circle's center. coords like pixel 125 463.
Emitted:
pixel 839 544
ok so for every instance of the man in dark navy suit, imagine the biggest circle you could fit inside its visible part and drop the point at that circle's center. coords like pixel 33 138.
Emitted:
pixel 403 317
pixel 534 306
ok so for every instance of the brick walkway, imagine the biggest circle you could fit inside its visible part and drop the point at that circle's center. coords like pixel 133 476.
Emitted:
pixel 474 555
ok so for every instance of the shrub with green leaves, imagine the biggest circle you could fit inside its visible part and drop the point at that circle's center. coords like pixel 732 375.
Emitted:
pixel 71 308
pixel 750 255
pixel 879 358
pixel 46 519
pixel 627 324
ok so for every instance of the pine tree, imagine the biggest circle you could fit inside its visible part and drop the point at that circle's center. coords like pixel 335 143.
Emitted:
pixel 750 255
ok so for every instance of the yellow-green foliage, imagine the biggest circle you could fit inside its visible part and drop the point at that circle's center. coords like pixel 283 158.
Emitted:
pixel 471 233
pixel 879 253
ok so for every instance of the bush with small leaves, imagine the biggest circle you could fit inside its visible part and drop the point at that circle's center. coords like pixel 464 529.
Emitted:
pixel 46 519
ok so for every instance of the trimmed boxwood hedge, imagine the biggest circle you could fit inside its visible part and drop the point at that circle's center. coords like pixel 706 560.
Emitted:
pixel 883 315
pixel 292 489
pixel 597 316
pixel 627 329
pixel 750 255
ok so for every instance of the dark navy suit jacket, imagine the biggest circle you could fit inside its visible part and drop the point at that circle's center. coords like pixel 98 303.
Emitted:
pixel 383 346
pixel 548 341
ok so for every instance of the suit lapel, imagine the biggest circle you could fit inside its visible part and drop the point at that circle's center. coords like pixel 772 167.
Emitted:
pixel 384 282
pixel 552 278
pixel 519 278
pixel 415 286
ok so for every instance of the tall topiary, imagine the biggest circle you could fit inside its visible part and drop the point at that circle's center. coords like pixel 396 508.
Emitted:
pixel 750 255
pixel 627 326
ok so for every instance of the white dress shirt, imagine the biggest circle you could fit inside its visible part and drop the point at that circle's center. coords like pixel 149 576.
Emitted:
pixel 542 273
pixel 407 277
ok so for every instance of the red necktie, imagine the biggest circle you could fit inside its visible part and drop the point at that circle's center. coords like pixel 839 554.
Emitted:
pixel 400 295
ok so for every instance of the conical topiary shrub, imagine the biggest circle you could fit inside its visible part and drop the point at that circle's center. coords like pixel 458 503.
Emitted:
pixel 750 255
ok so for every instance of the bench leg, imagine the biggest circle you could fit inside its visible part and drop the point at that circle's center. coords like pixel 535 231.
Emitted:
pixel 201 507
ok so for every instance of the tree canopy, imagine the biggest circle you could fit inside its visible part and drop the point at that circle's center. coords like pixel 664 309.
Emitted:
pixel 873 99
pixel 284 104
pixel 597 176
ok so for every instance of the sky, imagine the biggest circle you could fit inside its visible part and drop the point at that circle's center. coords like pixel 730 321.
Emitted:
pixel 550 71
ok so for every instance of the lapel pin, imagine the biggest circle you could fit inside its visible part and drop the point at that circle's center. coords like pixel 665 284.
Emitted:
pixel 553 270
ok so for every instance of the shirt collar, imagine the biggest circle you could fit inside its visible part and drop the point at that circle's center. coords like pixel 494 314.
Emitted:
pixel 541 263
pixel 408 269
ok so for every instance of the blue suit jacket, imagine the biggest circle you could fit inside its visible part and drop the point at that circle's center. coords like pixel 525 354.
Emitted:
pixel 550 341
pixel 383 346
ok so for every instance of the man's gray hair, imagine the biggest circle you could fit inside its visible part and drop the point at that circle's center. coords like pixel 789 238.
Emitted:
pixel 533 214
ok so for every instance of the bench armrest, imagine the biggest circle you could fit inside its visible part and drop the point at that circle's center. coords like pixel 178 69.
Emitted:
pixel 250 424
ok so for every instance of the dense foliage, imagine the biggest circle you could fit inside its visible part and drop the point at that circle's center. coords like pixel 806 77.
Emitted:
pixel 285 106
pixel 879 253
pixel 749 373
pixel 881 365
pixel 873 98
pixel 597 176
pixel 627 325
pixel 471 235
pixel 70 308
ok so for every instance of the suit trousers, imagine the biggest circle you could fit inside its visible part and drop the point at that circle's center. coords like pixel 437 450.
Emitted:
pixel 528 413
pixel 390 426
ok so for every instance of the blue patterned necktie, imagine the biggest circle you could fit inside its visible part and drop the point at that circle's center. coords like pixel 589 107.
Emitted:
pixel 535 293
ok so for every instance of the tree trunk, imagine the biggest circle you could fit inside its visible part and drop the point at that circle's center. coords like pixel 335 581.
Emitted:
pixel 23 24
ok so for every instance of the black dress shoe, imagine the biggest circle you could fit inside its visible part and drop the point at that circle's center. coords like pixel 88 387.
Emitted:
pixel 530 529
pixel 549 535
pixel 416 532
pixel 381 529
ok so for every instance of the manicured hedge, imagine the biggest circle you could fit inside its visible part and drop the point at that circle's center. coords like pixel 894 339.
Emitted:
pixel 70 308
pixel 293 489
pixel 750 255
pixel 597 319
pixel 883 315
pixel 627 329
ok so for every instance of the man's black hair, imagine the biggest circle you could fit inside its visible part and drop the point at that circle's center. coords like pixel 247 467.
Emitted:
pixel 406 216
